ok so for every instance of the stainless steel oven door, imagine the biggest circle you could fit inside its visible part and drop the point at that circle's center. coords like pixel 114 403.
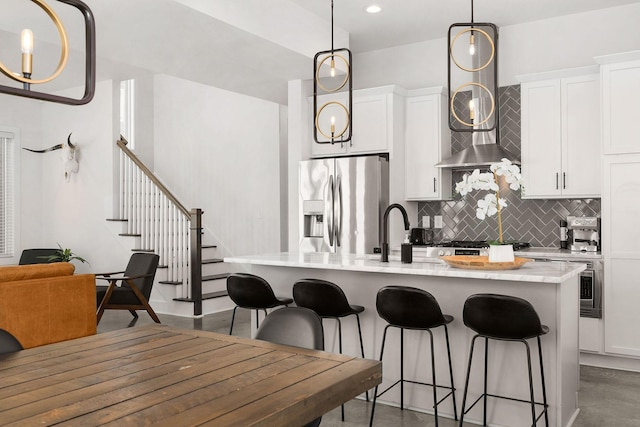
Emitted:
pixel 591 290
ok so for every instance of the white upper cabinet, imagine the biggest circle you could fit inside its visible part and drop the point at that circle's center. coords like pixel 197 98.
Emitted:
pixel 620 103
pixel 561 143
pixel 374 115
pixel 427 142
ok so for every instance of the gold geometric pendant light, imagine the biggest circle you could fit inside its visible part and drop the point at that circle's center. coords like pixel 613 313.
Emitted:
pixel 332 90
pixel 25 77
pixel 473 76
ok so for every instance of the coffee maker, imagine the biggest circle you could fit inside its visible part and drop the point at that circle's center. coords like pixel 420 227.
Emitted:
pixel 583 233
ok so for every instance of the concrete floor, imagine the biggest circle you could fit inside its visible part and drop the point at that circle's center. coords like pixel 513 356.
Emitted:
pixel 607 398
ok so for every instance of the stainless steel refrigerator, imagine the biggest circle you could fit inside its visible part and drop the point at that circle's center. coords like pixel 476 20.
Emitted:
pixel 342 202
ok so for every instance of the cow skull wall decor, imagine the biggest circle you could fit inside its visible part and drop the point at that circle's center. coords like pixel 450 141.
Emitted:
pixel 69 156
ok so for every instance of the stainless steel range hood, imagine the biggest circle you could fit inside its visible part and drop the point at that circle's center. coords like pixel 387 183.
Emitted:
pixel 478 156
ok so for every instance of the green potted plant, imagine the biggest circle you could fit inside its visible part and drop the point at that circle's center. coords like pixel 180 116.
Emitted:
pixel 492 203
pixel 64 255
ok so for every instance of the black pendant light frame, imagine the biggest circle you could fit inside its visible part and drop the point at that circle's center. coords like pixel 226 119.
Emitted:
pixel 90 64
pixel 344 54
pixel 456 123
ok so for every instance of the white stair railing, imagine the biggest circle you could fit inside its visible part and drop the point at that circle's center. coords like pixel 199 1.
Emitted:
pixel 163 224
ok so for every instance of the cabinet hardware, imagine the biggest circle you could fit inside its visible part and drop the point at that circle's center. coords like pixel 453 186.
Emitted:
pixel 434 184
pixel 564 181
pixel 557 187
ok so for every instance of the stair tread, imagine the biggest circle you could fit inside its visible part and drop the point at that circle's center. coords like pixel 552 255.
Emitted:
pixel 117 220
pixel 209 246
pixel 215 276
pixel 210 295
pixel 129 235
pixel 142 250
pixel 204 279
pixel 212 260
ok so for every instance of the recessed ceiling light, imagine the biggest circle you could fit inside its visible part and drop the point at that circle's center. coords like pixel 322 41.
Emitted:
pixel 374 8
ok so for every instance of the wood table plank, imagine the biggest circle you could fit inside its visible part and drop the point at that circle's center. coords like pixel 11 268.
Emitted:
pixel 168 376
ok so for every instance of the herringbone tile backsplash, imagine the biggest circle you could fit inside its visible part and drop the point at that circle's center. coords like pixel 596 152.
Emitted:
pixel 533 221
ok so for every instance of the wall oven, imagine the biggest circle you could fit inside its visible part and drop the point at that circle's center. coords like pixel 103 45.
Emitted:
pixel 591 289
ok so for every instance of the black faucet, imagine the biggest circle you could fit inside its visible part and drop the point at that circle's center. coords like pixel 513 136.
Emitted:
pixel 385 233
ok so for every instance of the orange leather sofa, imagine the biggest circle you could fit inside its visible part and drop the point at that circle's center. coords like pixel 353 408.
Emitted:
pixel 46 303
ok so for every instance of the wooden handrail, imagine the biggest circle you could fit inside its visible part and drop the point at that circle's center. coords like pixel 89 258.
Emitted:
pixel 122 143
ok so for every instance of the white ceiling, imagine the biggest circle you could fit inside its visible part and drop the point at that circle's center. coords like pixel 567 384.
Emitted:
pixel 410 21
pixel 251 46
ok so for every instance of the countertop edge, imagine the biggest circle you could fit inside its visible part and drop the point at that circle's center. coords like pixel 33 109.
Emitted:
pixel 530 272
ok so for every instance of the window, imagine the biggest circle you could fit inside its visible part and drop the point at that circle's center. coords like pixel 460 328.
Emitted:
pixel 8 168
pixel 127 111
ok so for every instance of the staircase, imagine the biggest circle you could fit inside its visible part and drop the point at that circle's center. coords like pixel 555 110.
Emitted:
pixel 191 277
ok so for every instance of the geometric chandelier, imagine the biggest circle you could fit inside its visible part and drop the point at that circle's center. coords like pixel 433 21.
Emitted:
pixel 473 76
pixel 332 88
pixel 27 42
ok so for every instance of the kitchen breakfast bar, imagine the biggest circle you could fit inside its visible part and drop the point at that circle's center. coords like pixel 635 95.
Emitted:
pixel 552 289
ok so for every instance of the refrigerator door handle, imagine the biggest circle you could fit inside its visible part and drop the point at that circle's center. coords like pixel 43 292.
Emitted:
pixel 329 210
pixel 338 210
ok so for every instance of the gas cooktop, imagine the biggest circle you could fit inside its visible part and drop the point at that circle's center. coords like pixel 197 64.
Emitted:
pixel 464 247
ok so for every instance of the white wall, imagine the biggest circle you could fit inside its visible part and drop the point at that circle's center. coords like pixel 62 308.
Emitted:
pixel 219 151
pixel 74 214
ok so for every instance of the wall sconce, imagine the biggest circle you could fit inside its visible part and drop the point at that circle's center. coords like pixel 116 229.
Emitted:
pixel 473 76
pixel 27 42
pixel 332 120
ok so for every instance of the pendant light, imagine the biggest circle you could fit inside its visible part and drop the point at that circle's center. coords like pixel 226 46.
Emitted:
pixel 473 76
pixel 332 94
pixel 27 47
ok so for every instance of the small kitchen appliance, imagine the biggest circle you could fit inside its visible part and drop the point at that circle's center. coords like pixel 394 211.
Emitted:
pixel 421 236
pixel 584 233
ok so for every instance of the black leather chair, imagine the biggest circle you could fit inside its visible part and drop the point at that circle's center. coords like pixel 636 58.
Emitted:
pixel 405 307
pixel 329 301
pixel 253 293
pixel 37 256
pixel 504 318
pixel 8 343
pixel 294 326
pixel 135 289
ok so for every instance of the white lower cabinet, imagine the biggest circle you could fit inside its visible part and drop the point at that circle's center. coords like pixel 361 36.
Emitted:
pixel 620 237
pixel 591 335
pixel 427 142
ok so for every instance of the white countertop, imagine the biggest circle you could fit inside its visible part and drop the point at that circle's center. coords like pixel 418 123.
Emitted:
pixel 541 272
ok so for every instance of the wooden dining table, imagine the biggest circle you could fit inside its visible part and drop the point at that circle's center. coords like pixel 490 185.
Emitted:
pixel 161 375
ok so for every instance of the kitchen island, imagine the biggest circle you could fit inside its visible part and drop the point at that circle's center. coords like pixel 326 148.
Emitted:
pixel 551 288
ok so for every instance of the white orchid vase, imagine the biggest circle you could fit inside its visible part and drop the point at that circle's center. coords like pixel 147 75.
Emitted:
pixel 492 203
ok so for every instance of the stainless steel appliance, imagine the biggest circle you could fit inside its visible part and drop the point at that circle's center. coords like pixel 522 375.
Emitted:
pixel 591 289
pixel 584 233
pixel 342 201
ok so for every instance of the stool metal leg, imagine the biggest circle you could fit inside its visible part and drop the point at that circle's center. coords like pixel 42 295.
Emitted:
pixel 361 347
pixel 466 381
pixel 486 365
pixel 375 392
pixel 453 394
pixel 544 388
pixel 402 369
pixel 233 318
pixel 533 400
pixel 340 346
pixel 433 377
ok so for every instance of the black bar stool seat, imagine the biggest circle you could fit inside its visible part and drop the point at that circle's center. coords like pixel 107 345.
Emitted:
pixel 329 301
pixel 416 309
pixel 252 292
pixel 504 318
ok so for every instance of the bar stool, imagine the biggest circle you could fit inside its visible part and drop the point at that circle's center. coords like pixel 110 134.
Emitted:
pixel 253 293
pixel 504 318
pixel 329 301
pixel 415 309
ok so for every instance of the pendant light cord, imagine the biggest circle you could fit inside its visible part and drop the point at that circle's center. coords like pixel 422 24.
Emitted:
pixel 471 12
pixel 332 26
